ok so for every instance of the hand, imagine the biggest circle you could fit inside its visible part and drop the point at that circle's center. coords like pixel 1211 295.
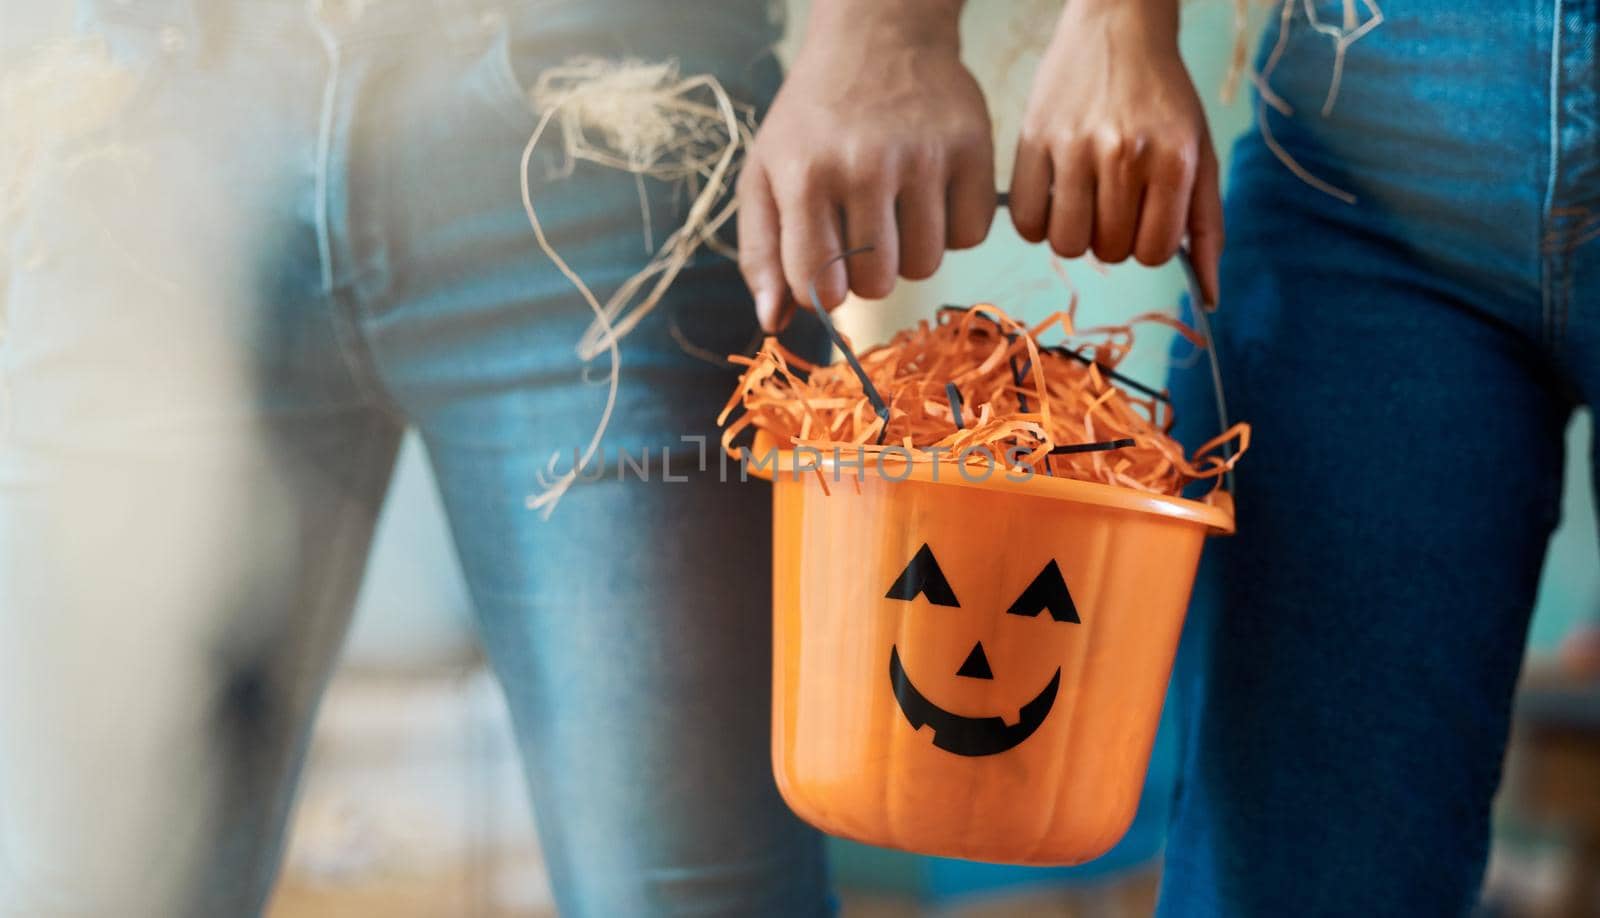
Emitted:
pixel 879 137
pixel 1115 156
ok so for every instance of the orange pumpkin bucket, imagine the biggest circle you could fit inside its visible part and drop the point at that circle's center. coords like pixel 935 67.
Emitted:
pixel 966 664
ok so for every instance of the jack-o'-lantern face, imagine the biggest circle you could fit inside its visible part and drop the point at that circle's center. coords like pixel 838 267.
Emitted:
pixel 962 734
pixel 1027 642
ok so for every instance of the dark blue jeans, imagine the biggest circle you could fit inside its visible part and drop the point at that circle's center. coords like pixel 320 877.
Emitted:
pixel 1409 361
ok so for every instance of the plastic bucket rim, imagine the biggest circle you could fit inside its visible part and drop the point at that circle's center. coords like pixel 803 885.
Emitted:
pixel 1214 513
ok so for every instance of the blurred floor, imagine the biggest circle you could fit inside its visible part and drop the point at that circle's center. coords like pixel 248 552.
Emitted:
pixel 413 804
pixel 412 807
pixel 1546 859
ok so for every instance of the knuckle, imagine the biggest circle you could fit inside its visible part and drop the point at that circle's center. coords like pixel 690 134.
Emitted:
pixel 968 235
pixel 974 150
pixel 1204 228
pixel 1111 252
pixel 1175 164
pixel 873 285
pixel 829 291
pixel 1109 144
pixel 865 158
pixel 921 162
pixel 745 184
pixel 1073 147
pixel 1035 134
pixel 920 268
pixel 1069 238
pixel 799 176
pixel 866 177
pixel 1068 247
pixel 1150 255
pixel 1138 149
pixel 759 262
pixel 1028 226
pixel 1122 149
pixel 970 240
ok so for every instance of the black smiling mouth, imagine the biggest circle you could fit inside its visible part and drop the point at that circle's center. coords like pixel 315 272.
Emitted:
pixel 972 736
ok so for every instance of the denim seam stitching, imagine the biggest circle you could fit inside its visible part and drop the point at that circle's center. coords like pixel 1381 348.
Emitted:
pixel 324 154
pixel 348 333
pixel 1550 260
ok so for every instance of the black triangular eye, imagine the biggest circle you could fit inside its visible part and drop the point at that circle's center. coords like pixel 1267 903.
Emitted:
pixel 1047 591
pixel 923 576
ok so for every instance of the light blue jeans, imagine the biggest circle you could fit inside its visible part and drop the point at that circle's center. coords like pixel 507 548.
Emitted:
pixel 264 240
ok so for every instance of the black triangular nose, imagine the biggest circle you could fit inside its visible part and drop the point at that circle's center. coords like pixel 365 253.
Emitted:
pixel 977 665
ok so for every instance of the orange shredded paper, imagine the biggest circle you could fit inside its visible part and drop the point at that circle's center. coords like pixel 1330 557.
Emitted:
pixel 1018 401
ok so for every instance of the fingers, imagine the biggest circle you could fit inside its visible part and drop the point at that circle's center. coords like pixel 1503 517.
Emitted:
pixel 760 259
pixel 899 176
pixel 1120 166
pixel 1072 201
pixel 1163 217
pixel 1121 194
pixel 904 209
pixel 809 237
pixel 921 216
pixel 1205 225
pixel 972 200
pixel 1030 189
pixel 1084 194
pixel 870 226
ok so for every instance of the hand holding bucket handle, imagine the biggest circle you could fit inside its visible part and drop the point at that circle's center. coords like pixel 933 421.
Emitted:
pixel 1197 302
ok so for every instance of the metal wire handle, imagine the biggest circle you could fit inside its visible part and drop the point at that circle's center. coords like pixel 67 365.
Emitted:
pixel 1202 324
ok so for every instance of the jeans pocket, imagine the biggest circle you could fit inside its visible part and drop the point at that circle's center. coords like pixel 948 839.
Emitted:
pixel 540 34
pixel 498 77
pixel 734 44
